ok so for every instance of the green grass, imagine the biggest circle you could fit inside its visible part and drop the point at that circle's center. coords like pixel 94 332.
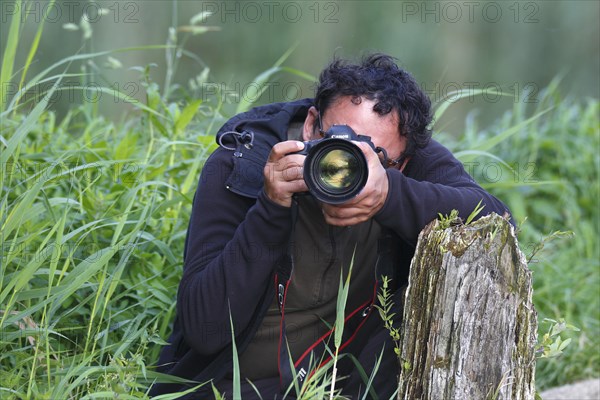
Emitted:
pixel 94 214
pixel 93 220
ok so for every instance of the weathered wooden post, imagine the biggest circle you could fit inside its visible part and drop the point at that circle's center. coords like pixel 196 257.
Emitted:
pixel 469 326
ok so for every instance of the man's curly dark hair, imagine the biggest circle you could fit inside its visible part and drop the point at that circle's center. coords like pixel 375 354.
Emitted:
pixel 378 78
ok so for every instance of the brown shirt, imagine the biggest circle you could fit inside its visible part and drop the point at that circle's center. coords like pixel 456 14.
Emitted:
pixel 321 252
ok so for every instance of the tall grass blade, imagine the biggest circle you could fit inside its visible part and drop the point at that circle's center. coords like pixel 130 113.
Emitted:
pixel 454 96
pixel 340 316
pixel 68 60
pixel 9 53
pixel 369 388
pixel 300 74
pixel 247 100
pixel 237 390
pixel 35 44
pixel 25 127
pixel 468 155
pixel 499 138
pixel 22 211
pixel 20 279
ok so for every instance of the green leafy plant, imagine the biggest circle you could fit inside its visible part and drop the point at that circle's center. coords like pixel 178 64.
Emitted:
pixel 448 220
pixel 552 343
pixel 547 239
pixel 384 307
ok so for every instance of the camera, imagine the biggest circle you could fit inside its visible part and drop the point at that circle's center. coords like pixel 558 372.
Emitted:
pixel 335 169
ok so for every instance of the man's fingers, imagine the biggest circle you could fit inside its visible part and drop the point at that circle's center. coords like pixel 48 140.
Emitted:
pixel 282 149
pixel 293 173
pixel 338 220
pixel 337 212
pixel 283 172
pixel 372 158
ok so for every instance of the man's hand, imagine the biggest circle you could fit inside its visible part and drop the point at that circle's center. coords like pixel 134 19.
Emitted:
pixel 284 172
pixel 368 202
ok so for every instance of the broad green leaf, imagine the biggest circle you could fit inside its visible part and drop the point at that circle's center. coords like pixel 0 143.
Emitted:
pixel 186 116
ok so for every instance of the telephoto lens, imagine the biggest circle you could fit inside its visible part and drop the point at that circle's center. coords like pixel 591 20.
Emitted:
pixel 335 169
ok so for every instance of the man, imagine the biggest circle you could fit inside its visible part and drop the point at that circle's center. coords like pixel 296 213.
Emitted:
pixel 266 258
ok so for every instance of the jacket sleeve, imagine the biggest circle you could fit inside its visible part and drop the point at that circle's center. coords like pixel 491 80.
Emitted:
pixel 232 248
pixel 437 183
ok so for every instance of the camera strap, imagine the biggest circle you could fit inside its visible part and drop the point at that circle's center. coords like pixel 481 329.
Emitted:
pixel 319 353
pixel 392 163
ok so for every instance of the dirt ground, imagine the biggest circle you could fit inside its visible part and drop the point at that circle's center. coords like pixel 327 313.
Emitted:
pixel 585 390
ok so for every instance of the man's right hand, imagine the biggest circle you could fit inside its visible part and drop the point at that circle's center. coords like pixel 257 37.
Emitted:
pixel 284 172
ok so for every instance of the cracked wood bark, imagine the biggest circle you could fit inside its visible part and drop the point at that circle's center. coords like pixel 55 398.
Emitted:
pixel 469 325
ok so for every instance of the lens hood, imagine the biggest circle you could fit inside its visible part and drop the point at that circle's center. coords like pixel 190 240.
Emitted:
pixel 335 170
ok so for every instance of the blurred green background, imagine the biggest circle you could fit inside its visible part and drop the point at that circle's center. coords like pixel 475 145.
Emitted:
pixel 516 47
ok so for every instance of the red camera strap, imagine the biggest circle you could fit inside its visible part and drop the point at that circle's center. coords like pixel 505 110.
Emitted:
pixel 317 354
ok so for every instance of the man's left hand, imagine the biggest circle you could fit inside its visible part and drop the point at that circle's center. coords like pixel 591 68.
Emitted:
pixel 368 202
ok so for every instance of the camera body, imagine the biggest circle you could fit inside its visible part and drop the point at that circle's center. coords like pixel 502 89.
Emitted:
pixel 335 169
pixel 342 132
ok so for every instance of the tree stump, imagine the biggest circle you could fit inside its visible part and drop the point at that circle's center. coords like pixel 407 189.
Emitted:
pixel 469 325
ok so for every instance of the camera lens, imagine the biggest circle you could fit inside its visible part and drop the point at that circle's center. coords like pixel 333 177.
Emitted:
pixel 335 170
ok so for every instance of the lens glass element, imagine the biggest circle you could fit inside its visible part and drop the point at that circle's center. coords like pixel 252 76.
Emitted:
pixel 335 170
pixel 338 170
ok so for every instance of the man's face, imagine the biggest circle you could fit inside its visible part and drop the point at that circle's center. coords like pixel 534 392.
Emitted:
pixel 383 129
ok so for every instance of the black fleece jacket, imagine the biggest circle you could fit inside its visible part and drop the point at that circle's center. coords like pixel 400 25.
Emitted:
pixel 237 235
